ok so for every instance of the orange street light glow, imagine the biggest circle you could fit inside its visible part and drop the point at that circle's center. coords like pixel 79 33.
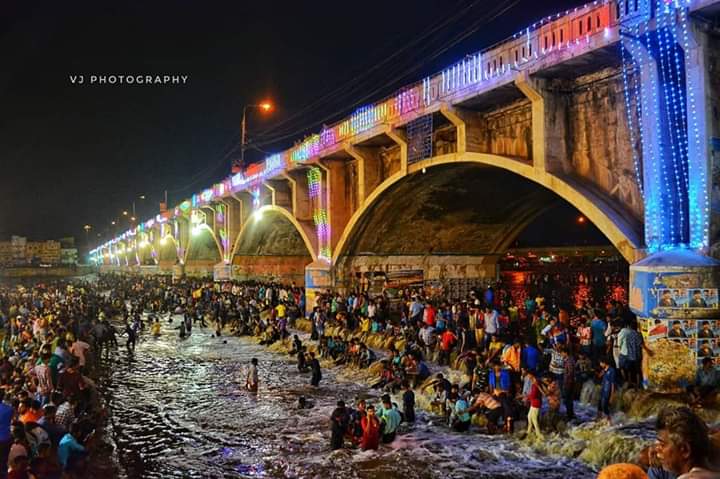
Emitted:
pixel 265 106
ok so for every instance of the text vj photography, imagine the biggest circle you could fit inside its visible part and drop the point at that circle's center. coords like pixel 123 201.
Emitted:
pixel 113 79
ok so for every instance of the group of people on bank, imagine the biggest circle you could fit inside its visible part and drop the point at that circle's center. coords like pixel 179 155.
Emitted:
pixel 49 408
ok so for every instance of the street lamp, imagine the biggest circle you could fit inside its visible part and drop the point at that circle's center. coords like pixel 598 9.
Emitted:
pixel 265 107
pixel 87 229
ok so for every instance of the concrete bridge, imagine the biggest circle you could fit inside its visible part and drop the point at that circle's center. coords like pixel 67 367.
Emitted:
pixel 611 107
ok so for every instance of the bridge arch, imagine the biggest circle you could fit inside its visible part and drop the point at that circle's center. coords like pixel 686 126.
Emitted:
pixel 273 244
pixel 620 228
pixel 277 213
pixel 201 235
pixel 167 249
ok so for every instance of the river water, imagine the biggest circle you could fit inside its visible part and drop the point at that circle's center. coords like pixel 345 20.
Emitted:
pixel 177 409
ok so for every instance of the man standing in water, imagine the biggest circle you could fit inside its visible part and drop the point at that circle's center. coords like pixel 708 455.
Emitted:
pixel 390 419
pixel 316 373
pixel 131 337
pixel 251 383
pixel 339 425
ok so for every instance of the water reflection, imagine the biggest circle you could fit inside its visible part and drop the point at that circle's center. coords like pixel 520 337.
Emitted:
pixel 178 410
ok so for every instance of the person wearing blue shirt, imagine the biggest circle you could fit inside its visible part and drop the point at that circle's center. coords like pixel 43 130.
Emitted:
pixel 6 415
pixel 416 310
pixel 530 357
pixel 390 418
pixel 461 421
pixel 598 327
pixel 607 387
pixel 500 378
pixel 69 446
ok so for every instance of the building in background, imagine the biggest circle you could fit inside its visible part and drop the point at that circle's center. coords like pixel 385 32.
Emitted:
pixel 68 251
pixel 18 251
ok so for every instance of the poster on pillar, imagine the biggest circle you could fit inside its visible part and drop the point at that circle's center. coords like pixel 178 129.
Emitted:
pixel 679 319
pixel 222 272
pixel 397 281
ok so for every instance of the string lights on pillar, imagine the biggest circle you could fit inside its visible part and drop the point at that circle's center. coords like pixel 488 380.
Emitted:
pixel 320 214
pixel 674 191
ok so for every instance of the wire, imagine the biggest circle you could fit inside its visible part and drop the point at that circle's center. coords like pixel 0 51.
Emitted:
pixel 345 88
pixel 492 15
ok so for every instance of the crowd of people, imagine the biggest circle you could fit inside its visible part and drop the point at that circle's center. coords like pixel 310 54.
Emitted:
pixel 495 361
pixel 49 407
pixel 510 357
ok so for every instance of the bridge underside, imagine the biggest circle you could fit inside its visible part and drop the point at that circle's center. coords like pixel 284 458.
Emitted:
pixel 202 253
pixel 450 222
pixel 271 247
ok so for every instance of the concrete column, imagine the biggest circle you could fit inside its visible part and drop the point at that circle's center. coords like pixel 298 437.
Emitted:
pixel 399 137
pixel 677 285
pixel 282 193
pixel 245 200
pixel 549 125
pixel 302 207
pixel 338 197
pixel 183 238
pixel 318 278
pixel 369 169
pixel 457 119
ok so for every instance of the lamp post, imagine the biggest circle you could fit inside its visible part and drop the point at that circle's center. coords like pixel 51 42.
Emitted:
pixel 266 107
pixel 87 229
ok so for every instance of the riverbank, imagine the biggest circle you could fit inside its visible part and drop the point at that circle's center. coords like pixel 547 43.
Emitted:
pixel 36 273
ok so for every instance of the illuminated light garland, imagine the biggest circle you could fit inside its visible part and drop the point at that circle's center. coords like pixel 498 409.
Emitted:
pixel 671 203
pixel 665 213
pixel 629 112
pixel 309 148
pixel 206 195
pixel 320 214
pixel 698 197
pixel 314 176
pixel 668 102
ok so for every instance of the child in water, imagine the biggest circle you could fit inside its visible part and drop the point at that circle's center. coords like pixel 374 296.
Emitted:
pixel 155 328
pixel 251 383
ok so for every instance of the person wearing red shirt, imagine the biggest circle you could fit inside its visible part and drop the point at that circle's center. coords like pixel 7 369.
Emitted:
pixel 447 341
pixel 429 314
pixel 535 399
pixel 370 425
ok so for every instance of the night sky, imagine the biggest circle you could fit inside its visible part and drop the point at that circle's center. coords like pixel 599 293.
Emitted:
pixel 79 154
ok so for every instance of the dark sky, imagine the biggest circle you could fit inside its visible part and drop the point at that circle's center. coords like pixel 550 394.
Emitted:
pixel 77 154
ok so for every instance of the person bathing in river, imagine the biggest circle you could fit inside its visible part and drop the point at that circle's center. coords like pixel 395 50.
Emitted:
pixel 408 402
pixel 182 329
pixel 155 328
pixel 302 362
pixel 251 383
pixel 303 403
pixel 316 373
pixel 370 425
pixel 338 426
pixel 390 418
pixel 131 337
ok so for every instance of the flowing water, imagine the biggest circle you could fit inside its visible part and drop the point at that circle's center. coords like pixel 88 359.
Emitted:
pixel 177 409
